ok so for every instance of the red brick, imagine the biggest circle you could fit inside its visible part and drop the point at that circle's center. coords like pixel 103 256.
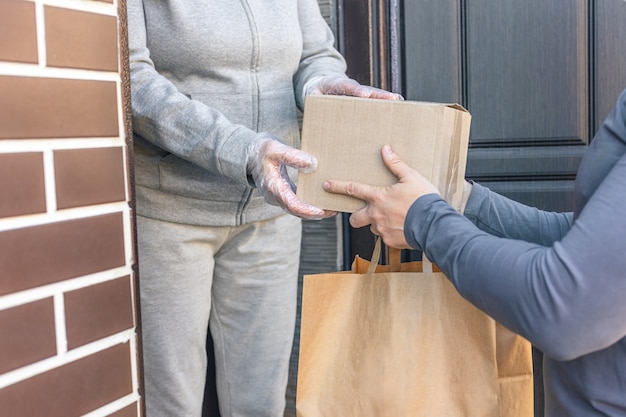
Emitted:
pixel 39 255
pixel 73 389
pixel 130 411
pixel 22 184
pixel 76 39
pixel 34 107
pixel 18 31
pixel 89 176
pixel 98 311
pixel 27 334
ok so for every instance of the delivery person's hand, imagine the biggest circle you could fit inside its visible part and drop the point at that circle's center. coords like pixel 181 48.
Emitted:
pixel 267 165
pixel 386 207
pixel 344 86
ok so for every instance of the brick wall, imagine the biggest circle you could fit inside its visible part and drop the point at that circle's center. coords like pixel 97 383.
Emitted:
pixel 68 336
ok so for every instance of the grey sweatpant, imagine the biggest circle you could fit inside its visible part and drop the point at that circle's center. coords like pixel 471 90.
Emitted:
pixel 243 281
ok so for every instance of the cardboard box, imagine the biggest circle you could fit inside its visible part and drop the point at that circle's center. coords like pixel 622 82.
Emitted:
pixel 346 134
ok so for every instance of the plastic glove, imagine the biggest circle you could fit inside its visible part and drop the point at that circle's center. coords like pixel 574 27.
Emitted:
pixel 344 86
pixel 268 167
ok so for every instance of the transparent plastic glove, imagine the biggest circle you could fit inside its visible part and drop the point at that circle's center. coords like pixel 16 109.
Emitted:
pixel 343 86
pixel 268 167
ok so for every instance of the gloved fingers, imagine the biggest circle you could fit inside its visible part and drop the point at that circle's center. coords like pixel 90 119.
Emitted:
pixel 304 210
pixel 281 154
pixel 349 87
pixel 302 161
pixel 280 191
pixel 268 166
pixel 353 88
pixel 373 92
pixel 341 86
pixel 284 174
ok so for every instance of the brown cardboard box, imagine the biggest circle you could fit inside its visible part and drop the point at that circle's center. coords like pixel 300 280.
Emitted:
pixel 346 134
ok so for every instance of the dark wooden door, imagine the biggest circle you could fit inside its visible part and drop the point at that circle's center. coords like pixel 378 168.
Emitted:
pixel 538 77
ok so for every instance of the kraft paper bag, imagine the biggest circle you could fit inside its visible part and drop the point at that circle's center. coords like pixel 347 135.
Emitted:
pixel 393 344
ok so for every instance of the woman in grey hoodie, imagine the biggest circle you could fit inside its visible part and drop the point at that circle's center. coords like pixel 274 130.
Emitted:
pixel 216 87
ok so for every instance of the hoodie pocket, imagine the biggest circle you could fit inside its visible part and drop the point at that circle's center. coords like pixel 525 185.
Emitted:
pixel 186 179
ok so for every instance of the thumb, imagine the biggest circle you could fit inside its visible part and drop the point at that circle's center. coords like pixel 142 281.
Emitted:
pixel 295 158
pixel 393 162
pixel 300 160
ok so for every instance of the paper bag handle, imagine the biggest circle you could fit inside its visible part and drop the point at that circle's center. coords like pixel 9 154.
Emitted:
pixel 375 257
pixel 394 256
pixel 427 265
pixel 394 259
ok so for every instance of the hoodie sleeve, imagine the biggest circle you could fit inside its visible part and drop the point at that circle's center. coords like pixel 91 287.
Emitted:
pixel 174 122
pixel 319 55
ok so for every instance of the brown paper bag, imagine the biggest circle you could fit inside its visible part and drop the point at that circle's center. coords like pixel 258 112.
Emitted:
pixel 405 344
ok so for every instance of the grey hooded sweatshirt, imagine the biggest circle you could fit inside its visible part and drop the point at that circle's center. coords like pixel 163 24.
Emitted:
pixel 207 78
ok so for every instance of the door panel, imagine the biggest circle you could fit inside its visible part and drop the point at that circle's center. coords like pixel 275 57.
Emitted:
pixel 432 50
pixel 538 77
pixel 527 71
pixel 521 69
pixel 609 75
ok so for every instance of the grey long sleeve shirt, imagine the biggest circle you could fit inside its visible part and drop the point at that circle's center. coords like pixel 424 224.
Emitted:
pixel 558 279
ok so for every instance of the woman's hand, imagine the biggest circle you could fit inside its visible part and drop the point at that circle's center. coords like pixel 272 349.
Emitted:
pixel 267 165
pixel 344 86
